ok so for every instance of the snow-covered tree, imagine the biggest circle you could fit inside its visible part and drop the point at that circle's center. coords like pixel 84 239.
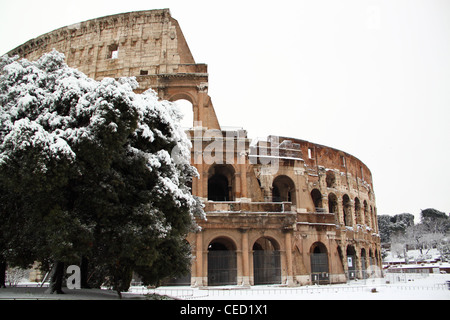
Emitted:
pixel 394 226
pixel 86 172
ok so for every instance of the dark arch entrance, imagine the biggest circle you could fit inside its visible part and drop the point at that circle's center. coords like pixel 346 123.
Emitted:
pixel 363 263
pixel 283 190
pixel 316 196
pixel 218 188
pixel 266 262
pixel 220 183
pixel 348 221
pixel 319 263
pixel 351 262
pixel 222 265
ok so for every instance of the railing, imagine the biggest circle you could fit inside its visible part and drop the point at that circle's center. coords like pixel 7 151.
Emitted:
pixel 236 292
pixel 233 206
pixel 316 218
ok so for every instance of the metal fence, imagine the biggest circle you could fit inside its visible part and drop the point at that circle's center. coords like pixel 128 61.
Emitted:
pixel 222 268
pixel 189 294
pixel 267 267
pixel 319 268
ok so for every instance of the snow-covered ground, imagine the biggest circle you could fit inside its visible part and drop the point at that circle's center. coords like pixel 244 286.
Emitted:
pixel 400 287
pixel 427 255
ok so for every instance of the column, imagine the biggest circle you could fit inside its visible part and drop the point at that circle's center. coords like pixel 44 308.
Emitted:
pixel 289 270
pixel 197 281
pixel 202 90
pixel 245 259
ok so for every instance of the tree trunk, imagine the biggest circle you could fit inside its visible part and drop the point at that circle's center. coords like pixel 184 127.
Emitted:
pixel 2 274
pixel 56 278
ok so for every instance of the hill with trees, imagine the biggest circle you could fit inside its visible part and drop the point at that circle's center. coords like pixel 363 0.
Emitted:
pixel 433 231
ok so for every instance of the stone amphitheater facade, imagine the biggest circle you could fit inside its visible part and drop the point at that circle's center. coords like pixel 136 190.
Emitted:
pixel 279 211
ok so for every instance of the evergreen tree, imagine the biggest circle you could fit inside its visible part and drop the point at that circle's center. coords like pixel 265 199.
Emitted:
pixel 86 172
pixel 394 225
pixel 435 221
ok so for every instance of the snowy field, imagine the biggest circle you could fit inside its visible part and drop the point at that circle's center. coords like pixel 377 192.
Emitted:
pixel 400 287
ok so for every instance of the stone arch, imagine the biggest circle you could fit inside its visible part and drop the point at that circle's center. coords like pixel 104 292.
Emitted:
pixel 319 262
pixel 266 261
pixel 332 203
pixel 222 262
pixel 221 182
pixel 330 179
pixel 351 262
pixel 358 215
pixel 196 93
pixel 367 218
pixel 188 106
pixel 266 243
pixel 373 219
pixel 346 206
pixel 316 196
pixel 283 190
pixel 186 109
pixel 183 95
pixel 364 262
pixel 377 258
pixel 318 247
pixel 222 243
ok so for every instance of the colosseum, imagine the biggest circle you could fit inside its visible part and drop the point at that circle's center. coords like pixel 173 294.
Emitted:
pixel 279 211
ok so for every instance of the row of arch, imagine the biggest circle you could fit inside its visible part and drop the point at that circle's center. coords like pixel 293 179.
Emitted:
pixel 222 265
pixel 363 213
pixel 222 262
pixel 221 187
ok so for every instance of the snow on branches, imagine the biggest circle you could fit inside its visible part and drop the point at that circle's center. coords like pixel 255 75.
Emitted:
pixel 56 111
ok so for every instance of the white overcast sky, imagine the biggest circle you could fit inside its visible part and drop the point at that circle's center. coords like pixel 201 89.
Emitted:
pixel 369 77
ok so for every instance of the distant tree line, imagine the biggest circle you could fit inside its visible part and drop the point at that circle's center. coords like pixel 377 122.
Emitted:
pixel 433 231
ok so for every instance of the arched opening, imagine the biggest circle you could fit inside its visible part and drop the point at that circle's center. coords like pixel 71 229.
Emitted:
pixel 367 218
pixel 377 258
pixel 218 188
pixel 330 179
pixel 283 190
pixel 319 263
pixel 221 183
pixel 363 263
pixel 373 220
pixel 266 262
pixel 187 111
pixel 316 196
pixel 332 203
pixel 359 217
pixel 351 262
pixel 222 262
pixel 348 221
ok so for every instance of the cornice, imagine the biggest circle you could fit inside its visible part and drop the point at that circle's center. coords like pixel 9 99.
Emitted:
pixel 128 20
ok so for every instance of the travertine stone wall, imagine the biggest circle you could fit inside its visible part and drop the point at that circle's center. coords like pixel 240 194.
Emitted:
pixel 147 41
